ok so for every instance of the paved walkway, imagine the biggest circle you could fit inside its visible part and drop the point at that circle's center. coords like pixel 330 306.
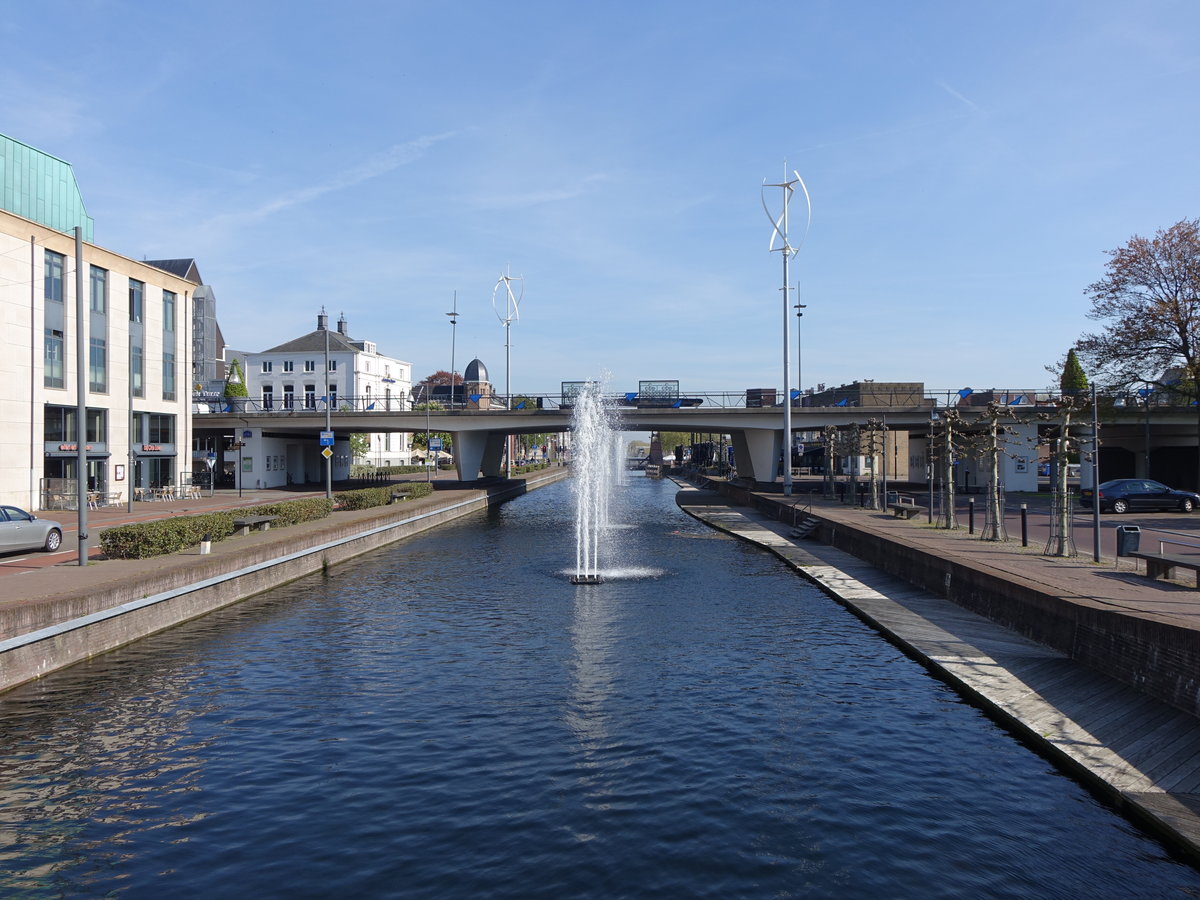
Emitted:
pixel 1141 753
pixel 35 575
pixel 1118 584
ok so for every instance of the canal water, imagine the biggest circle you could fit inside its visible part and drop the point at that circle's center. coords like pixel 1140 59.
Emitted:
pixel 449 717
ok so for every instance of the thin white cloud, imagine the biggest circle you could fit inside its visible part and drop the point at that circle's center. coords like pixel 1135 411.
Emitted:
pixel 393 158
pixel 959 97
pixel 541 197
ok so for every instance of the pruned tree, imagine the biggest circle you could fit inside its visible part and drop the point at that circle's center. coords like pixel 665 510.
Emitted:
pixel 946 440
pixel 1063 444
pixel 1148 302
pixel 872 435
pixel 829 435
pixel 993 441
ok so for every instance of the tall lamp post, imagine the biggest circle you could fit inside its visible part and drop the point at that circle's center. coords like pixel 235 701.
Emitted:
pixel 328 421
pixel 799 307
pixel 779 233
pixel 453 314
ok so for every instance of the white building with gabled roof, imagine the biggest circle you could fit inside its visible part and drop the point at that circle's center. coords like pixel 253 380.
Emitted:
pixel 293 376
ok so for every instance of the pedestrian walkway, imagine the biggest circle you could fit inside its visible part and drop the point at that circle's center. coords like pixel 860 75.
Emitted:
pixel 1113 584
pixel 1144 755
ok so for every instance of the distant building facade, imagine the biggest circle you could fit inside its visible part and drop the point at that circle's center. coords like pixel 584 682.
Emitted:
pixel 293 377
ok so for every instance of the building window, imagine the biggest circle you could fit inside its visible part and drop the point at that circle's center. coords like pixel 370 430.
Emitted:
pixel 332 395
pixel 310 396
pixel 137 367
pixel 98 365
pixel 162 429
pixel 53 375
pixel 54 276
pixel 266 365
pixel 289 366
pixel 333 365
pixel 137 293
pixel 168 357
pixel 289 396
pixel 97 426
pixel 268 396
pixel 59 425
pixel 99 293
pixel 168 383
pixel 310 365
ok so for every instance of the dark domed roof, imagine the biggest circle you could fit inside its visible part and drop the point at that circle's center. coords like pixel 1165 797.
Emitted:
pixel 476 371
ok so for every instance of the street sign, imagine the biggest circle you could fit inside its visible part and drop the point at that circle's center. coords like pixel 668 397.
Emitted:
pixel 327 453
pixel 435 443
pixel 326 438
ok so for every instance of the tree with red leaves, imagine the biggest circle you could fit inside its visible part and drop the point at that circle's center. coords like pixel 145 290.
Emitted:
pixel 1149 302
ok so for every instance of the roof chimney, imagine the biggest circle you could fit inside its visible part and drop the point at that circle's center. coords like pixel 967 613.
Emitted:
pixel 342 325
pixel 322 320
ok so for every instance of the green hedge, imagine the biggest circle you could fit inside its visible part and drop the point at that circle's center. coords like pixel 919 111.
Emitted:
pixel 366 498
pixel 363 498
pixel 141 540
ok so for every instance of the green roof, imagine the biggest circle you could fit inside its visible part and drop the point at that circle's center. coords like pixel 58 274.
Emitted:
pixel 41 187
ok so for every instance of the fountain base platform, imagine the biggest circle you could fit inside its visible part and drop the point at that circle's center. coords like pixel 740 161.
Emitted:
pixel 586 579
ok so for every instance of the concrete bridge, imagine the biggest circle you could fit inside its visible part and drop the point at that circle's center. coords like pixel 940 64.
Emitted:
pixel 480 434
pixel 1131 435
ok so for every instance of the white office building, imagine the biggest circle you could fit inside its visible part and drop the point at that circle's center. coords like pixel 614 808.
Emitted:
pixel 132 336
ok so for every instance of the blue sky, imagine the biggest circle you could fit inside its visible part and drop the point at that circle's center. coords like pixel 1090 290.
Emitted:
pixel 969 165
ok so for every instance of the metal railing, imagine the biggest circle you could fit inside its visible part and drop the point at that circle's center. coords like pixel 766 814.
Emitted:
pixel 865 396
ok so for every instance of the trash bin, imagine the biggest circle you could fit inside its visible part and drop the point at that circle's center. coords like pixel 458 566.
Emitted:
pixel 891 497
pixel 1129 538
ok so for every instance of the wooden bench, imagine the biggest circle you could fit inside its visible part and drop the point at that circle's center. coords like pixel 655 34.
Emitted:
pixel 245 524
pixel 1162 565
pixel 907 510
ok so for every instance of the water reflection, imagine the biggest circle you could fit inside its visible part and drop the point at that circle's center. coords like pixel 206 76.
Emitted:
pixel 450 717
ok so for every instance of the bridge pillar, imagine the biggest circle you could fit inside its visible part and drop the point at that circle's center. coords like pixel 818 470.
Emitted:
pixel 756 452
pixel 476 451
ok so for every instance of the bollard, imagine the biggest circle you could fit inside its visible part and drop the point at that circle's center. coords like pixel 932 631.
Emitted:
pixel 970 515
pixel 206 545
pixel 1024 525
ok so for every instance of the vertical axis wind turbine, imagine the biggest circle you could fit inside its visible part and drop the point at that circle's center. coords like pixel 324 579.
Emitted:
pixel 779 235
pixel 512 313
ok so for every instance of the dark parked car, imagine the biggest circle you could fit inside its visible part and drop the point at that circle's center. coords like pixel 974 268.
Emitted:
pixel 1137 494
pixel 20 530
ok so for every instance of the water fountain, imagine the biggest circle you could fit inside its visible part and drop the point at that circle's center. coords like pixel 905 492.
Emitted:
pixel 593 460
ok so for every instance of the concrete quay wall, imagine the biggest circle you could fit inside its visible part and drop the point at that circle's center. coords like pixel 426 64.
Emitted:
pixel 41 636
pixel 1158 657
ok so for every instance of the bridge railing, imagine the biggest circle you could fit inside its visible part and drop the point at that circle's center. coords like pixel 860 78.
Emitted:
pixel 906 397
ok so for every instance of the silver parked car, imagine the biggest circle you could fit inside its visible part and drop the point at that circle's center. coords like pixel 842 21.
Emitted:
pixel 20 530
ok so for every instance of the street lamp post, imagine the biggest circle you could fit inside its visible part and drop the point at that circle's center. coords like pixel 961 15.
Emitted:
pixel 799 307
pixel 453 314
pixel 328 420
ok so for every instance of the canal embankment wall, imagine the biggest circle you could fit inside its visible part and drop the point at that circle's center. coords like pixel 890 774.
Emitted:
pixel 125 600
pixel 1153 654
